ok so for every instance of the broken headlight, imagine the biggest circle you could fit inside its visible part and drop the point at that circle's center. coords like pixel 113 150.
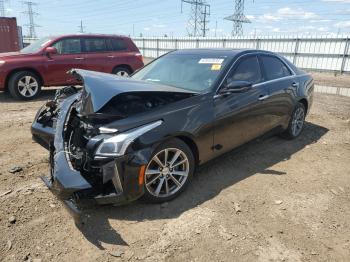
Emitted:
pixel 117 145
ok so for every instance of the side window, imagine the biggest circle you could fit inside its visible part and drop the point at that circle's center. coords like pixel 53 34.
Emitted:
pixel 248 69
pixel 93 45
pixel 68 46
pixel 115 44
pixel 274 67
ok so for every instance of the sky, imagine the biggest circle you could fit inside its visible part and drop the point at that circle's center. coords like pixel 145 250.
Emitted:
pixel 160 17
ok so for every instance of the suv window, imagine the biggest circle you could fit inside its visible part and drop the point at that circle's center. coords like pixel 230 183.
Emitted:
pixel 115 44
pixel 248 69
pixel 68 46
pixel 93 45
pixel 274 67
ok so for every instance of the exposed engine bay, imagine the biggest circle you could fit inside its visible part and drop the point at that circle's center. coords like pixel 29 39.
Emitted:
pixel 128 104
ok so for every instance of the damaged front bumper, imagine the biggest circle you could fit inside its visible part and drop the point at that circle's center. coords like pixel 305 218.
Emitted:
pixel 119 180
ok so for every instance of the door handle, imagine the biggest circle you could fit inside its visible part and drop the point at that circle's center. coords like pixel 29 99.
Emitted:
pixel 295 84
pixel 79 58
pixel 263 97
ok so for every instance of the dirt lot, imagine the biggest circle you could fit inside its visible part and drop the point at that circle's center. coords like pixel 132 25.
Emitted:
pixel 331 79
pixel 271 200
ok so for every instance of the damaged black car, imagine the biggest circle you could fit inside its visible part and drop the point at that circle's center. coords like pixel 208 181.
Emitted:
pixel 120 139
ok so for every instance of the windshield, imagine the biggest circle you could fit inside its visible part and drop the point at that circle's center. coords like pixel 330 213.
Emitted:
pixel 36 46
pixel 188 71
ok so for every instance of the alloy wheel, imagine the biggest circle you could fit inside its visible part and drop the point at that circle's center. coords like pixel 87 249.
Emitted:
pixel 298 121
pixel 122 73
pixel 28 86
pixel 167 172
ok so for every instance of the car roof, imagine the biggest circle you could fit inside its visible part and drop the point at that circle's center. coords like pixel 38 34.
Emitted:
pixel 87 35
pixel 229 52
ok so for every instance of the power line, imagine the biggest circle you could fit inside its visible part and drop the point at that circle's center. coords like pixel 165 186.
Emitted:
pixel 198 21
pixel 31 14
pixel 238 18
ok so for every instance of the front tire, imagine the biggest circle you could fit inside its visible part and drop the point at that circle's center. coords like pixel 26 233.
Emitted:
pixel 296 122
pixel 169 171
pixel 24 85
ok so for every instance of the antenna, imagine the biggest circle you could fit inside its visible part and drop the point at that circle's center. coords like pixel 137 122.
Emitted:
pixel 198 21
pixel 238 18
pixel 31 14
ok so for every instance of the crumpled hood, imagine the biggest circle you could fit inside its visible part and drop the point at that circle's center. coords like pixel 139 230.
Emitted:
pixel 100 88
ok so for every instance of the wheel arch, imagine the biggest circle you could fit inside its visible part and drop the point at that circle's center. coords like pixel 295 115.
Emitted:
pixel 14 71
pixel 305 103
pixel 123 65
pixel 191 144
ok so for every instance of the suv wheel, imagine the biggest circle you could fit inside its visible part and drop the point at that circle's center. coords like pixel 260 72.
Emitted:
pixel 169 171
pixel 296 122
pixel 121 71
pixel 24 85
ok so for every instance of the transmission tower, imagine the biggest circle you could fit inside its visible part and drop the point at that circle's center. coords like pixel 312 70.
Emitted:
pixel 81 27
pixel 238 18
pixel 2 8
pixel 198 21
pixel 31 14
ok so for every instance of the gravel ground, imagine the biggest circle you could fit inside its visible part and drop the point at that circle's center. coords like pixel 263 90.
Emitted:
pixel 270 200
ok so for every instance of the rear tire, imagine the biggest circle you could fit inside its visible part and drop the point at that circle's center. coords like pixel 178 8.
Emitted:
pixel 296 122
pixel 122 71
pixel 169 171
pixel 24 85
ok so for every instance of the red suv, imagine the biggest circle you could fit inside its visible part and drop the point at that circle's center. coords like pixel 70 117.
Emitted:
pixel 45 62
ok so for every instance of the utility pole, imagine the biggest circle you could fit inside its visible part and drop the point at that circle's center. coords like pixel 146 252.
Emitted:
pixel 31 14
pixel 198 21
pixel 81 27
pixel 238 18
pixel 2 8
pixel 216 26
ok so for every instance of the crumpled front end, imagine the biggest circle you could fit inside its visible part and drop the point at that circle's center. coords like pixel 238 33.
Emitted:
pixel 97 154
pixel 76 176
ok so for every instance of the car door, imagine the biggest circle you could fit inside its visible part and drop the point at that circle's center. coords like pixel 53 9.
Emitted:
pixel 240 117
pixel 98 57
pixel 120 54
pixel 69 55
pixel 282 86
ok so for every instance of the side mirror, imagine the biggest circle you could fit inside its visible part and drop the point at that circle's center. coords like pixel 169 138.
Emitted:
pixel 50 50
pixel 236 87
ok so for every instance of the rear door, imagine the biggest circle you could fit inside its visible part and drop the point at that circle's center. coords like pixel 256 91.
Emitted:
pixel 69 55
pixel 97 54
pixel 120 55
pixel 240 117
pixel 282 86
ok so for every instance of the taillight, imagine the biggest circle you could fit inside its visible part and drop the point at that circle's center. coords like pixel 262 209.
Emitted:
pixel 139 56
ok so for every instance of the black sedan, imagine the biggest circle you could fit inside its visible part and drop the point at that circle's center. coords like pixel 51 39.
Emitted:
pixel 119 139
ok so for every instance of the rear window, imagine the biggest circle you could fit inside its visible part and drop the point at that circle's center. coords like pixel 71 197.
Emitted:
pixel 115 44
pixel 274 68
pixel 93 45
